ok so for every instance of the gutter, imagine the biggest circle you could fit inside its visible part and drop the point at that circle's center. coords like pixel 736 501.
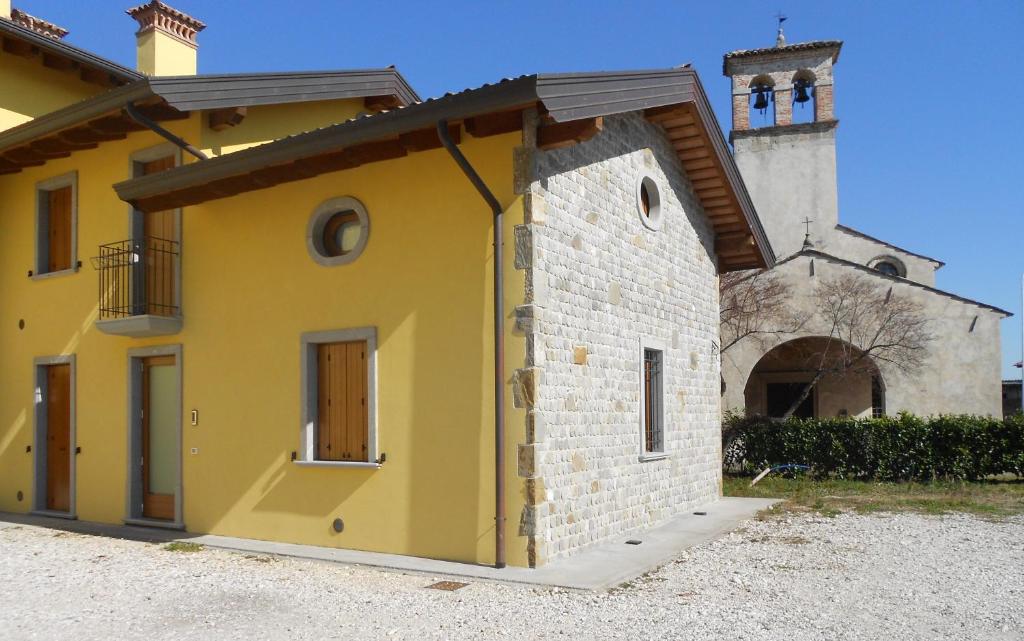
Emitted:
pixel 499 339
pixel 150 124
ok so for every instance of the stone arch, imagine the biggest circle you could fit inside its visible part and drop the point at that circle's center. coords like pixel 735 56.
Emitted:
pixel 780 375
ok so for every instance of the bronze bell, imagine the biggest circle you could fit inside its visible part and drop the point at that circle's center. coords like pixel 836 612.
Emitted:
pixel 801 87
pixel 761 99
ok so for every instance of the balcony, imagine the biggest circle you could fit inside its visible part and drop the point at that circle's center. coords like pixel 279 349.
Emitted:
pixel 139 293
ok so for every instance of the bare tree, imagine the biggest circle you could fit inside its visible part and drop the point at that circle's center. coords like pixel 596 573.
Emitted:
pixel 867 324
pixel 756 304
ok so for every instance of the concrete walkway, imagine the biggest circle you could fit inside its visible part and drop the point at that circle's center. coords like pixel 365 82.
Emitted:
pixel 598 568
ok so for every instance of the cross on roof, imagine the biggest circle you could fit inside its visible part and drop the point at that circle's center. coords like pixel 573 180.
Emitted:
pixel 807 221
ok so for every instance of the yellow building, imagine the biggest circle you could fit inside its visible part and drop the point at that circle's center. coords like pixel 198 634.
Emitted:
pixel 267 305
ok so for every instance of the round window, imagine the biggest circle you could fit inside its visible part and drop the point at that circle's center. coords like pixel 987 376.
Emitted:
pixel 337 231
pixel 648 202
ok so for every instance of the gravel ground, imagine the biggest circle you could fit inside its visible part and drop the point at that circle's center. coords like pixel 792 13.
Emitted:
pixel 794 577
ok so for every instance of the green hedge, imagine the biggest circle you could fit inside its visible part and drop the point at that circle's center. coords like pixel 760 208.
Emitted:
pixel 892 448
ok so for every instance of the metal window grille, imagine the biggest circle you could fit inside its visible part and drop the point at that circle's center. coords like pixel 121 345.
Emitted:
pixel 138 277
pixel 654 429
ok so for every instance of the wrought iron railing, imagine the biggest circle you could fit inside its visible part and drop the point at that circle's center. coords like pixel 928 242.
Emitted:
pixel 138 276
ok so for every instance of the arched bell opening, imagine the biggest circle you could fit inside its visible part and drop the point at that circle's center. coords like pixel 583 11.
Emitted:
pixel 804 96
pixel 848 383
pixel 762 101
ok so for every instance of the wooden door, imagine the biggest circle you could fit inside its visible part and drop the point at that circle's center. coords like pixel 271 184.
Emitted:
pixel 159 233
pixel 342 426
pixel 58 437
pixel 159 436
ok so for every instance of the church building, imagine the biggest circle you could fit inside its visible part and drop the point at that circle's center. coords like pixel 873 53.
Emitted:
pixel 789 167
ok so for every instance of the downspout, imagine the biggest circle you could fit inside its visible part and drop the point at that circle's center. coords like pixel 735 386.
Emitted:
pixel 148 123
pixel 499 340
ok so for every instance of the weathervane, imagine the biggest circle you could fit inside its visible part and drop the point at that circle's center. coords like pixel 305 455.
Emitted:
pixel 780 38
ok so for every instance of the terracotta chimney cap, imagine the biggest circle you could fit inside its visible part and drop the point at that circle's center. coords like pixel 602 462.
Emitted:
pixel 157 16
pixel 40 26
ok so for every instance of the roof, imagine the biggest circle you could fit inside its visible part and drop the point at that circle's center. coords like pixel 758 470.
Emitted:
pixel 172 97
pixel 814 253
pixel 38 44
pixel 785 49
pixel 861 234
pixel 673 98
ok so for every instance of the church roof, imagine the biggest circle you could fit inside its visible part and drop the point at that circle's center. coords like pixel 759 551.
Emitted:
pixel 814 253
pixel 860 234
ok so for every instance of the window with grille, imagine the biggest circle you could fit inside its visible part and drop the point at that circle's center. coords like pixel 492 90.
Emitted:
pixel 56 246
pixel 653 401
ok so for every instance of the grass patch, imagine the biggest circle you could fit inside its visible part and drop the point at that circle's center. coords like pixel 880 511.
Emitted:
pixel 183 546
pixel 994 499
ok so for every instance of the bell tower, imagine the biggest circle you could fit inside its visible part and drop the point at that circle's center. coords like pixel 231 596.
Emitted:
pixel 783 137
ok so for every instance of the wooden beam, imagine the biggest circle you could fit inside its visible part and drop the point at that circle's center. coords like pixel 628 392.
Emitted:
pixel 380 103
pixel 683 144
pixel 56 145
pixel 59 62
pixel 84 136
pixel 221 119
pixel 502 122
pixel 699 163
pixel 708 182
pixel 684 131
pixel 566 134
pixel 714 202
pixel 678 115
pixel 95 76
pixel 701 174
pixel 114 125
pixel 694 154
pixel 19 48
pixel 26 156
pixel 712 192
pixel 162 111
pixel 424 139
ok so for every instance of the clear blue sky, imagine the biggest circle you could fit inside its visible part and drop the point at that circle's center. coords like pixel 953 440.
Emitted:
pixel 929 94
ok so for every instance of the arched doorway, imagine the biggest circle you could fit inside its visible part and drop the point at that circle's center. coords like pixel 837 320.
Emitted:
pixel 850 383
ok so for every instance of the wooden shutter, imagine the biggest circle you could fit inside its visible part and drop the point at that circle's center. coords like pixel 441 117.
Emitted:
pixel 59 229
pixel 342 427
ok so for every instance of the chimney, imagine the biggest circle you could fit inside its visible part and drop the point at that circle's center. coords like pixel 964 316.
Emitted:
pixel 32 23
pixel 166 40
pixel 5 9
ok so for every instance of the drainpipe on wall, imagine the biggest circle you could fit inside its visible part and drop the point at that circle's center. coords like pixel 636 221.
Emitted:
pixel 499 340
pixel 146 122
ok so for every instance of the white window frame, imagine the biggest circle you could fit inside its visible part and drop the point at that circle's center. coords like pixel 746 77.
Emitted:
pixel 649 343
pixel 306 455
pixel 70 179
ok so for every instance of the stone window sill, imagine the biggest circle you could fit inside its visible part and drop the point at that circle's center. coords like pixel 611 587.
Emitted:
pixel 56 274
pixel 371 465
pixel 653 456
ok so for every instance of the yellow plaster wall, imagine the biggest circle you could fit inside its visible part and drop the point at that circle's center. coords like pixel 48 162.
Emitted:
pixel 159 54
pixel 30 90
pixel 273 122
pixel 250 289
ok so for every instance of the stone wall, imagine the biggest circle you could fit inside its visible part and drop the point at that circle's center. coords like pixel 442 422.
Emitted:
pixel 961 374
pixel 599 282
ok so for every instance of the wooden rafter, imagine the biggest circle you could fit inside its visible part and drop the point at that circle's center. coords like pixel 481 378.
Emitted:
pixel 566 134
pixel 221 119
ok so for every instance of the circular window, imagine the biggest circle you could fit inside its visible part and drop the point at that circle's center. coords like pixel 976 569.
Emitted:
pixel 337 231
pixel 648 202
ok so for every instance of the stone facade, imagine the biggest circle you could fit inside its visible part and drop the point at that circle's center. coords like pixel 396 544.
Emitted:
pixel 601 284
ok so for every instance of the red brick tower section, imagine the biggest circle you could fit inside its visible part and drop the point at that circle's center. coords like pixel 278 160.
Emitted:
pixel 781 67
